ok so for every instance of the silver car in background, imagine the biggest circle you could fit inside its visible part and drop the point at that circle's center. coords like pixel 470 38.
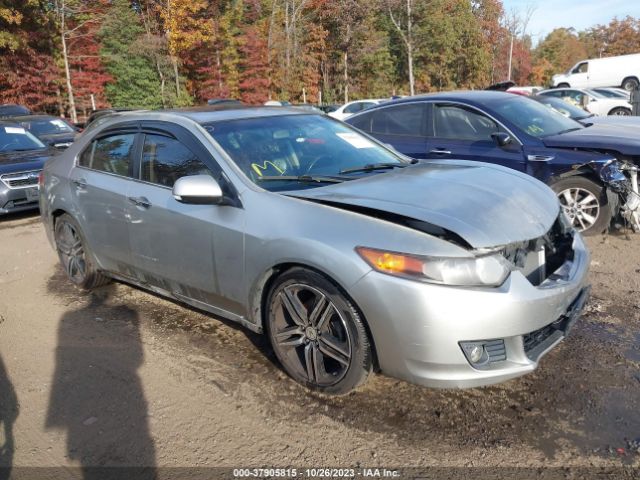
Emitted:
pixel 348 256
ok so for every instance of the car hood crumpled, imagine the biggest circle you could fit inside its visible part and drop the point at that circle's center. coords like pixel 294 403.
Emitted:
pixel 625 139
pixel 486 205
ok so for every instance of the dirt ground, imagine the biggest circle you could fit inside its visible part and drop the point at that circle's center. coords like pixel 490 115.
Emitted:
pixel 122 377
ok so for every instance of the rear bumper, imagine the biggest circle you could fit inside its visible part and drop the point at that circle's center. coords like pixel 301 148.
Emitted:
pixel 419 329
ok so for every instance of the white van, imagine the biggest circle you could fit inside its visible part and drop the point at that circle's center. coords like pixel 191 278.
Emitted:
pixel 622 71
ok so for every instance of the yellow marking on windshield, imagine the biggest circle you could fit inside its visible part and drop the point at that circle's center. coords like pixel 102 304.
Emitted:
pixel 260 168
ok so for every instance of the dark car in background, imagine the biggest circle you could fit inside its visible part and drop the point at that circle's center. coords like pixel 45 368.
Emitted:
pixel 11 110
pixel 22 157
pixel 511 130
pixel 50 130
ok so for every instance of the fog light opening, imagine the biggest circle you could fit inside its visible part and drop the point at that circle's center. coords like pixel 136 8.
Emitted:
pixel 476 353
pixel 483 352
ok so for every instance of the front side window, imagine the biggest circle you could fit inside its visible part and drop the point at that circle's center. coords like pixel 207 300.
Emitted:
pixel 165 160
pixel 111 154
pixel 279 152
pixel 399 120
pixel 460 123
pixel 582 68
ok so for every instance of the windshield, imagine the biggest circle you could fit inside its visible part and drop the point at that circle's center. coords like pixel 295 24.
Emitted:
pixel 299 148
pixel 48 127
pixel 17 139
pixel 565 108
pixel 534 118
pixel 611 93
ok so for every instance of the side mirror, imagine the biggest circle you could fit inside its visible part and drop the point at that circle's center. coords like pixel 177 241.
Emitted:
pixel 198 189
pixel 501 138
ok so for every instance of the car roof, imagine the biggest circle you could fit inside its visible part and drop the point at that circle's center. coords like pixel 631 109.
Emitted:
pixel 27 118
pixel 206 114
pixel 9 122
pixel 469 96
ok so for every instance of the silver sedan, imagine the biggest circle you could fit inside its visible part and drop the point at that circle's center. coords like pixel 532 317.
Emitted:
pixel 347 255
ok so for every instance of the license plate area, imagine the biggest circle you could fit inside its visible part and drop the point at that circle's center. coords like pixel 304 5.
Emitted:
pixel 32 193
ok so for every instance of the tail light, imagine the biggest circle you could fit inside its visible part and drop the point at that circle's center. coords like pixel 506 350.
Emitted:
pixel 41 179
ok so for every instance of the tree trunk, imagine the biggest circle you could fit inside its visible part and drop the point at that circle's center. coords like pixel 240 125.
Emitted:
pixel 412 90
pixel 174 61
pixel 67 70
pixel 346 77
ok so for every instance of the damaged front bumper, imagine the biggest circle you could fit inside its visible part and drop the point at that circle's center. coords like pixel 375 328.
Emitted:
pixel 621 182
pixel 425 337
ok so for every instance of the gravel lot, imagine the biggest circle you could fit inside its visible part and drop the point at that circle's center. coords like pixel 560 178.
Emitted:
pixel 123 377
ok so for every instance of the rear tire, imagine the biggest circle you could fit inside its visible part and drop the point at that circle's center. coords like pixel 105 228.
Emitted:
pixel 630 83
pixel 620 111
pixel 585 203
pixel 563 85
pixel 316 332
pixel 74 254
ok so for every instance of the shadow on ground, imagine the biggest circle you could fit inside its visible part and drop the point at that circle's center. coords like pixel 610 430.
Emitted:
pixel 96 395
pixel 8 414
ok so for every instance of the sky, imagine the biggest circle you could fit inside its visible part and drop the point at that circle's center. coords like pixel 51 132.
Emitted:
pixel 579 14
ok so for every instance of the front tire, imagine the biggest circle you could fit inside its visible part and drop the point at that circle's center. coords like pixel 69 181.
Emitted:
pixel 74 254
pixel 585 203
pixel 620 111
pixel 630 84
pixel 317 333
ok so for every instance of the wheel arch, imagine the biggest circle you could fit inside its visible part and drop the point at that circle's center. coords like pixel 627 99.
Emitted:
pixel 610 112
pixel 262 287
pixel 629 77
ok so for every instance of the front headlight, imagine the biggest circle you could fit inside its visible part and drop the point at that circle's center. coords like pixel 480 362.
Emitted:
pixel 487 270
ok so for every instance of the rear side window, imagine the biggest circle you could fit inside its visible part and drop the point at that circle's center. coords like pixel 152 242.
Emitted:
pixel 110 154
pixel 165 160
pixel 400 120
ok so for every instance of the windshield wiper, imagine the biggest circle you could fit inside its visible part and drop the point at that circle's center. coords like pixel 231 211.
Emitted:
pixel 373 166
pixel 568 130
pixel 301 178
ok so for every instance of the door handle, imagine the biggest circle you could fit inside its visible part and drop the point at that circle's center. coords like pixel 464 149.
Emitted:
pixel 80 183
pixel 440 151
pixel 142 202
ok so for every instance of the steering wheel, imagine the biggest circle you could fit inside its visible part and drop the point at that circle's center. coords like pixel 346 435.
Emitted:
pixel 320 159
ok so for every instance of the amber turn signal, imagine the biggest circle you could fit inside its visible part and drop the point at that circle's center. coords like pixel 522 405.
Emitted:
pixel 391 262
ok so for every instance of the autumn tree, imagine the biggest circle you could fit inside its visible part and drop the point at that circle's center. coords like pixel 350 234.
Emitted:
pixel 619 37
pixel 559 51
pixel 28 71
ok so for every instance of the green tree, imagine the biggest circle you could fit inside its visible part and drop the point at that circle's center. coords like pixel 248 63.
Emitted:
pixel 136 82
pixel 451 51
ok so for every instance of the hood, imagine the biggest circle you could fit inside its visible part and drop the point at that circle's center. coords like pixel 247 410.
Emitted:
pixel 624 139
pixel 611 120
pixel 12 162
pixel 486 205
